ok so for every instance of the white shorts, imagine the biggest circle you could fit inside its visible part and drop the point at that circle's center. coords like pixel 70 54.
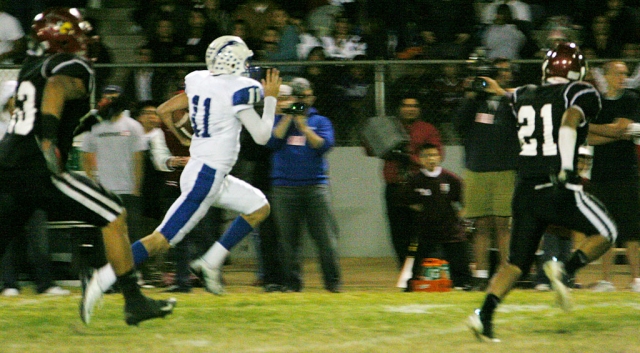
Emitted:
pixel 202 187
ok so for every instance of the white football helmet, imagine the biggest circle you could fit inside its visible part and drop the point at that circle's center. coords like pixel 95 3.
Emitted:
pixel 227 55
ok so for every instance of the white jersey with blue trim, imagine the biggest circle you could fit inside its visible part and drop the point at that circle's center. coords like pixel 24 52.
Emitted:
pixel 214 102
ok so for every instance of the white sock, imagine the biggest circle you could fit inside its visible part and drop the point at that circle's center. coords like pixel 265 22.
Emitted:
pixel 216 255
pixel 106 277
pixel 481 274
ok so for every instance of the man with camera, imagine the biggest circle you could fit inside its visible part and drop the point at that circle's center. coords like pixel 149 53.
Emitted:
pixel 300 187
pixel 489 172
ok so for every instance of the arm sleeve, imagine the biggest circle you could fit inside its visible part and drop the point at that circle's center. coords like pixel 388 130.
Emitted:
pixel 160 153
pixel 260 129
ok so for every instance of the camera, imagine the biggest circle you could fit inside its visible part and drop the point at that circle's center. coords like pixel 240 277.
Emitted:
pixel 297 108
pixel 480 66
pixel 485 69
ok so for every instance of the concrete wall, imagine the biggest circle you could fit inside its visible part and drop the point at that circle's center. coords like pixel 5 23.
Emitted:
pixel 357 188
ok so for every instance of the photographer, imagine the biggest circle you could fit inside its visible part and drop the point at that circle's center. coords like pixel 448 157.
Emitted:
pixel 300 187
pixel 489 172
pixel 398 168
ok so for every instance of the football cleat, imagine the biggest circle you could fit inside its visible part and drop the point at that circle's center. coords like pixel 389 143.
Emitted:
pixel 211 277
pixel 554 270
pixel 482 331
pixel 91 296
pixel 138 310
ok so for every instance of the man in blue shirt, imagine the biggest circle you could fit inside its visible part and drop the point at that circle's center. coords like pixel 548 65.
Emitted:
pixel 300 140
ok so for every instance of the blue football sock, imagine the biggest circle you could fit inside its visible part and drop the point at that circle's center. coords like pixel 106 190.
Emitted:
pixel 235 233
pixel 140 253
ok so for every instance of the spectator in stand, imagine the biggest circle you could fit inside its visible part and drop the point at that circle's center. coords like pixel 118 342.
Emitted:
pixel 240 28
pixel 308 41
pixel 12 41
pixel 150 12
pixel 256 14
pixel 446 27
pixel 165 43
pixel 503 39
pixel 287 39
pixel 448 89
pixel 221 19
pixel 300 188
pixel 323 79
pixel 435 196
pixel 614 178
pixel 399 167
pixel 99 54
pixel 146 83
pixel 200 33
pixel 520 10
pixel 268 44
pixel 342 43
pixel 354 96
pixel 490 173
pixel 598 38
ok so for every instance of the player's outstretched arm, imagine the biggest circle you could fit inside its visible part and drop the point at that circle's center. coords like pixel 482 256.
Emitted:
pixel 165 112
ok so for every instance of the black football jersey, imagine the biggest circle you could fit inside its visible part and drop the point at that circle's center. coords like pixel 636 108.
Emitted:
pixel 19 148
pixel 539 110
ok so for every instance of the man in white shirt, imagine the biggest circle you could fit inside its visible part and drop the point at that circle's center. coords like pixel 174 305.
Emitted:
pixel 11 37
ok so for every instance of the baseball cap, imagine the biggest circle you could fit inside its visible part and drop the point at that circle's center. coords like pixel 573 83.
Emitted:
pixel 299 85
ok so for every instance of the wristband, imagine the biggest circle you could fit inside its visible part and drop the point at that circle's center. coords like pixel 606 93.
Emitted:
pixel 49 127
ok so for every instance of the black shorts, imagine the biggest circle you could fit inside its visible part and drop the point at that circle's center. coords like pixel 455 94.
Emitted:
pixel 536 205
pixel 67 197
pixel 622 199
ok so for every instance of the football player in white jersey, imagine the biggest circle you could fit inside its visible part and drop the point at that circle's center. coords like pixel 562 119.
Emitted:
pixel 220 102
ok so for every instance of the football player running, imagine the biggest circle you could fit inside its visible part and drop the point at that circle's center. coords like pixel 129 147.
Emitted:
pixel 220 102
pixel 553 121
pixel 54 86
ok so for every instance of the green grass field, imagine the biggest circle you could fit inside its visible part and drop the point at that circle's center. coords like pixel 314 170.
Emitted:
pixel 376 318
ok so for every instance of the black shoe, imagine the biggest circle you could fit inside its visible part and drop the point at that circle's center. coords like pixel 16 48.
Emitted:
pixel 138 310
pixel 178 289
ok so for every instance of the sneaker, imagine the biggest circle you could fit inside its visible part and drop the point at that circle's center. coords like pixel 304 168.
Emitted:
pixel 604 286
pixel 635 285
pixel 482 331
pixel 138 310
pixel 542 287
pixel 56 291
pixel 554 270
pixel 10 292
pixel 91 296
pixel 211 277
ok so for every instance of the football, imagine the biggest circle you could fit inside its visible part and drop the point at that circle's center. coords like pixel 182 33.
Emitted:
pixel 182 122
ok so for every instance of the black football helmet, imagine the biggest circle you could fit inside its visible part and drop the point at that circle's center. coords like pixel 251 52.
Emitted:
pixel 565 60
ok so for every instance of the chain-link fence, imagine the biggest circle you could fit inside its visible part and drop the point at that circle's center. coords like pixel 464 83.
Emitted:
pixel 348 92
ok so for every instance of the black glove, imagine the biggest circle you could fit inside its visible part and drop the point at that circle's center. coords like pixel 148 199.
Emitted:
pixel 87 121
